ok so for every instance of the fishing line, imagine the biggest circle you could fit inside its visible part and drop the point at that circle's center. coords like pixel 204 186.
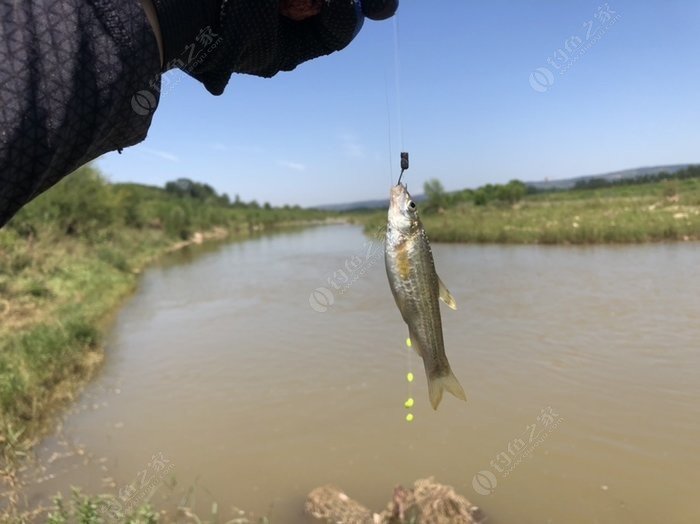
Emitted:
pixel 397 91
pixel 391 142
pixel 397 78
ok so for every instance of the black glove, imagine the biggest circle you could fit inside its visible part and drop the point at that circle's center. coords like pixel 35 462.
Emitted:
pixel 211 39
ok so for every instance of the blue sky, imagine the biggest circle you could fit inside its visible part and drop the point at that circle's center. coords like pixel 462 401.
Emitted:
pixel 469 112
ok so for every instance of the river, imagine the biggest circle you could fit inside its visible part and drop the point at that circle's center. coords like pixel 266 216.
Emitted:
pixel 581 367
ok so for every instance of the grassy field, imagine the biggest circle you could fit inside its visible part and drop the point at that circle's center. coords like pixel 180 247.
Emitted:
pixel 649 212
pixel 67 261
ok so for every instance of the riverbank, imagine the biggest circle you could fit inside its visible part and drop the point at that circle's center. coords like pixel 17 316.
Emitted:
pixel 654 212
pixel 56 298
pixel 68 260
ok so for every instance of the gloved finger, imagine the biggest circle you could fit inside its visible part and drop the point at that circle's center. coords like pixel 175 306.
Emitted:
pixel 341 20
pixel 331 30
pixel 379 9
pixel 300 9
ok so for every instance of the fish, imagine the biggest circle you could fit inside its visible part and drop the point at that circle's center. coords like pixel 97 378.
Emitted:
pixel 417 290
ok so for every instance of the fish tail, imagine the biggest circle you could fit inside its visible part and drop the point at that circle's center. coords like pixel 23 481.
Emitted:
pixel 437 384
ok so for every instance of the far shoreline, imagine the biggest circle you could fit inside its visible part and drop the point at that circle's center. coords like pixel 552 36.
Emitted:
pixel 666 211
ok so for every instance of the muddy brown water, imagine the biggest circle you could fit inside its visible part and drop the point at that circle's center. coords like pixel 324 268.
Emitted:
pixel 582 368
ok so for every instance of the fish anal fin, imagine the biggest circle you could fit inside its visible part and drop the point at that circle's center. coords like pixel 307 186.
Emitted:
pixel 446 296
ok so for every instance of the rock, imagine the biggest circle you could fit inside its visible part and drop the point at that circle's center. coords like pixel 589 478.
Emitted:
pixel 330 504
pixel 427 502
pixel 431 503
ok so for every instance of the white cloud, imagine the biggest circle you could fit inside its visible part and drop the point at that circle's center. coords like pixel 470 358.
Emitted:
pixel 294 166
pixel 352 146
pixel 247 148
pixel 161 154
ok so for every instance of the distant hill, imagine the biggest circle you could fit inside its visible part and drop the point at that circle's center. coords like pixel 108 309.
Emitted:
pixel 569 183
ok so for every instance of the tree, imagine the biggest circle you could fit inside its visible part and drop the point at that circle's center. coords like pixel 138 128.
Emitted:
pixel 184 187
pixel 480 197
pixel 436 197
pixel 512 192
pixel 79 205
pixel 466 195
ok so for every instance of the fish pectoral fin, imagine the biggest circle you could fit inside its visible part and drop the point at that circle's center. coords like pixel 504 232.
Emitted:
pixel 446 296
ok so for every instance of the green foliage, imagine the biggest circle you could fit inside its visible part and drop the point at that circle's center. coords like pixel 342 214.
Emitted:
pixel 515 190
pixel 509 193
pixel 114 258
pixel 184 187
pixel 44 355
pixel 80 205
pixel 84 205
pixel 84 509
pixel 667 210
pixel 598 183
pixel 512 192
pixel 481 196
pixel 436 197
pixel 37 289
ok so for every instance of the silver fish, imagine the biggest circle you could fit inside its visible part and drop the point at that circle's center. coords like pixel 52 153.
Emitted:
pixel 416 289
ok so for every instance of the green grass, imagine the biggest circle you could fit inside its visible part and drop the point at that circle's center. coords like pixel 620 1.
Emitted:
pixel 89 510
pixel 54 291
pixel 652 212
pixel 99 509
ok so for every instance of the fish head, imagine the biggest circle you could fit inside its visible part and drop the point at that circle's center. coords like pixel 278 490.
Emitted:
pixel 403 212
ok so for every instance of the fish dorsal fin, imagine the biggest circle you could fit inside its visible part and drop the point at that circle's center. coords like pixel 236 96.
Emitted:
pixel 446 296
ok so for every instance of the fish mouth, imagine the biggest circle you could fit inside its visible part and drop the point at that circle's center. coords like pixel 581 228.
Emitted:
pixel 399 191
pixel 398 203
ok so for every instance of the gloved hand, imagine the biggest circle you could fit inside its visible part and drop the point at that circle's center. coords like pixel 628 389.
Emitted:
pixel 211 39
